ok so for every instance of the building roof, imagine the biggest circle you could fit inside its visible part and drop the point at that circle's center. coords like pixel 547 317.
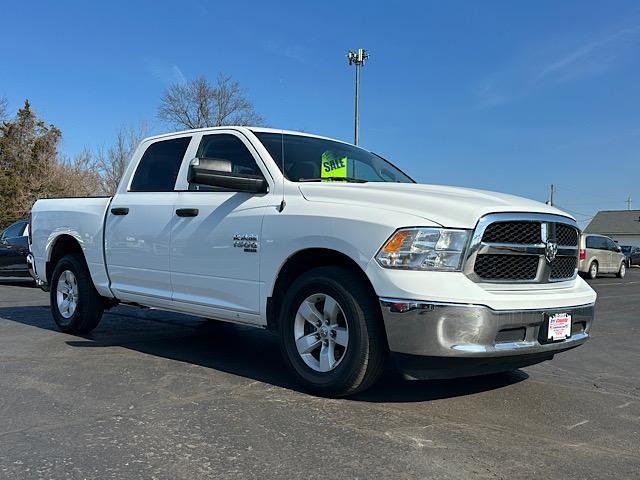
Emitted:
pixel 609 222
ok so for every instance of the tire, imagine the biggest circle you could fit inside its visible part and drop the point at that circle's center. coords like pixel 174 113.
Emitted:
pixel 83 313
pixel 622 271
pixel 593 270
pixel 354 365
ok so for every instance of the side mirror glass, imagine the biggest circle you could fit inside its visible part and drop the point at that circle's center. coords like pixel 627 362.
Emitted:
pixel 216 172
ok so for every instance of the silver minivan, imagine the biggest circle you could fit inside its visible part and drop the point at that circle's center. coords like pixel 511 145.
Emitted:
pixel 600 254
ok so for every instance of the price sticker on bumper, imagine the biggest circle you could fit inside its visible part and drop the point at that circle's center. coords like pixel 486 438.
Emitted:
pixel 559 326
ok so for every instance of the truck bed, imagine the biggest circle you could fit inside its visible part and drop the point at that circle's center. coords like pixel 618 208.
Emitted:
pixel 80 218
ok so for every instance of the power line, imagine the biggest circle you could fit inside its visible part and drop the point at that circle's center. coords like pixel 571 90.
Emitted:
pixel 576 213
pixel 597 195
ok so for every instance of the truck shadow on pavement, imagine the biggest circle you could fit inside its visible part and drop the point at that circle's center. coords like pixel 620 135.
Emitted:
pixel 239 350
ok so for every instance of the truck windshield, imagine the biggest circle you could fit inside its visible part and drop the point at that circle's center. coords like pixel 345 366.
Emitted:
pixel 309 159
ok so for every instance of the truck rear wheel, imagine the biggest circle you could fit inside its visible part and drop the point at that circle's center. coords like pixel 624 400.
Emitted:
pixel 331 332
pixel 75 304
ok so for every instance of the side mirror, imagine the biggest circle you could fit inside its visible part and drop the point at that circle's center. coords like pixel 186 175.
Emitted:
pixel 216 172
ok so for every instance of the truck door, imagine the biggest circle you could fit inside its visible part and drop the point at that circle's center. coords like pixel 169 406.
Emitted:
pixel 215 239
pixel 139 221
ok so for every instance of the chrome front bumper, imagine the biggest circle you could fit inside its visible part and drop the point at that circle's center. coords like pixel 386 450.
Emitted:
pixel 475 332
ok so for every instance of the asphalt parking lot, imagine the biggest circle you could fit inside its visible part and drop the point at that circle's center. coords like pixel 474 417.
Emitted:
pixel 156 395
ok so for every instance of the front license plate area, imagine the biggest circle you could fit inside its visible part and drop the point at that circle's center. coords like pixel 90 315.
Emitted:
pixel 558 327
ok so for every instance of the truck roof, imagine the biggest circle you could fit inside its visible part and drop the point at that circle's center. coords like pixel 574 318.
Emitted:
pixel 244 128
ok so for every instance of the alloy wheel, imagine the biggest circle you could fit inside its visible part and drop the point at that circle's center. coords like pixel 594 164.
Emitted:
pixel 321 332
pixel 67 294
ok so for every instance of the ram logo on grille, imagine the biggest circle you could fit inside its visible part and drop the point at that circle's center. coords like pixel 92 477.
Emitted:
pixel 550 251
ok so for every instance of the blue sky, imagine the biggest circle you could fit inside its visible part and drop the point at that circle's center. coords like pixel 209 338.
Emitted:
pixel 507 96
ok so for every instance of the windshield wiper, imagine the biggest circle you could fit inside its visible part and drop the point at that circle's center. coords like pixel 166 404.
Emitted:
pixel 344 179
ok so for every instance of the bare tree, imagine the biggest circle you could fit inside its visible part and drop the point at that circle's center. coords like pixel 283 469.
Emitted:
pixel 77 176
pixel 112 162
pixel 198 104
pixel 3 108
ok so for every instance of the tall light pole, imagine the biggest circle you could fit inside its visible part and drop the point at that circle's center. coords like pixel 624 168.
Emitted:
pixel 551 194
pixel 358 58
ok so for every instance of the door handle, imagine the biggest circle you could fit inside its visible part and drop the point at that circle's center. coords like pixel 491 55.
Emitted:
pixel 187 212
pixel 120 210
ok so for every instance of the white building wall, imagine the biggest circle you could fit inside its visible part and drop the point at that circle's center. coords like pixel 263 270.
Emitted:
pixel 633 240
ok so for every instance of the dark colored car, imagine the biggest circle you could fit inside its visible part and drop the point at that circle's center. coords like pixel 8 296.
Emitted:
pixel 632 254
pixel 14 248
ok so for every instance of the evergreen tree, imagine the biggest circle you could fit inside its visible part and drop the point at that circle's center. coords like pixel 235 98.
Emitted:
pixel 30 166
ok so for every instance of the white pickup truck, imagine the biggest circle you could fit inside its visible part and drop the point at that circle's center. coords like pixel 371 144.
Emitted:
pixel 327 244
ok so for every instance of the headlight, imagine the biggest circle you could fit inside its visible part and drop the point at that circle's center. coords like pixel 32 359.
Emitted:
pixel 424 249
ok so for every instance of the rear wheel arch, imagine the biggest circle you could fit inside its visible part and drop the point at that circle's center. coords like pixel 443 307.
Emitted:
pixel 63 245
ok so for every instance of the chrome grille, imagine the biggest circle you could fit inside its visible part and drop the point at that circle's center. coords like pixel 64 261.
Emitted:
pixel 507 267
pixel 563 267
pixel 523 248
pixel 513 232
pixel 566 235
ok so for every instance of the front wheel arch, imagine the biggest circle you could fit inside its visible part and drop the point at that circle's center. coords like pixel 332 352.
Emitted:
pixel 299 263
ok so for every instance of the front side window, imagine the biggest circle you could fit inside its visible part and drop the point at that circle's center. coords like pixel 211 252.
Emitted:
pixel 158 167
pixel 229 154
pixel 317 159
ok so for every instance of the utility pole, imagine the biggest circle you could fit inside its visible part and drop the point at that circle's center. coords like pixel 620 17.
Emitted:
pixel 551 194
pixel 358 58
pixel 629 203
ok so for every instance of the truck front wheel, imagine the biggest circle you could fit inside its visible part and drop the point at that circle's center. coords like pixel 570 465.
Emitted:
pixel 75 304
pixel 331 332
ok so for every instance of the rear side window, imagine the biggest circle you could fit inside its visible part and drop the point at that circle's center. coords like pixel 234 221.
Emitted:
pixel 158 167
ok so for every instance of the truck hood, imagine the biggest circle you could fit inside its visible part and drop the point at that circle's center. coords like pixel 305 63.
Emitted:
pixel 453 207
